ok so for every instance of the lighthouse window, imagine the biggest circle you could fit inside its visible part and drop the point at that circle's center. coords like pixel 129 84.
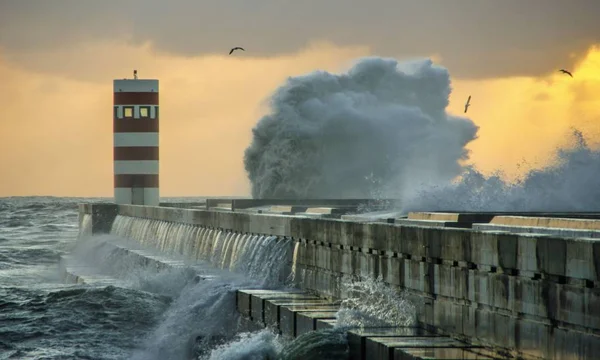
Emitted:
pixel 144 111
pixel 128 112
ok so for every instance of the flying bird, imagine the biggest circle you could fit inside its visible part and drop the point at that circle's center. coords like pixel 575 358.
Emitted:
pixel 468 104
pixel 236 48
pixel 566 72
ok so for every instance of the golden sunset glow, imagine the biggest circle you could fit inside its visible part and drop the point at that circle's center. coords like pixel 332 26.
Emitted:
pixel 524 120
pixel 56 131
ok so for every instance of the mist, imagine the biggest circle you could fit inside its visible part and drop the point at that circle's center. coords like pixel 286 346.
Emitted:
pixel 379 128
pixel 569 184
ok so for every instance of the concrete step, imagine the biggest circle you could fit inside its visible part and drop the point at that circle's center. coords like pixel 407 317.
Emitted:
pixel 433 223
pixel 293 313
pixel 419 347
pixel 452 217
pixel 547 222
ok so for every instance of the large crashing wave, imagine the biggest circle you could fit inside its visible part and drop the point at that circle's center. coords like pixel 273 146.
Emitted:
pixel 382 124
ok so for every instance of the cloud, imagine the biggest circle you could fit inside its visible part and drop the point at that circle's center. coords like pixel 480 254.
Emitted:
pixel 56 132
pixel 476 39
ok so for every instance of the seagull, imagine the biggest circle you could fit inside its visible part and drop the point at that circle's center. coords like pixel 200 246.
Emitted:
pixel 566 72
pixel 236 48
pixel 468 104
pixel 135 74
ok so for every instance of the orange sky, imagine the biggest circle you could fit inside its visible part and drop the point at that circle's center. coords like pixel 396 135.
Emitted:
pixel 56 132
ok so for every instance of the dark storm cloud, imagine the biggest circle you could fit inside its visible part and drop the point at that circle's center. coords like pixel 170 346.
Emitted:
pixel 476 38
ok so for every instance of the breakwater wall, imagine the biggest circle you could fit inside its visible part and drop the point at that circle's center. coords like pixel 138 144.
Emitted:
pixel 535 296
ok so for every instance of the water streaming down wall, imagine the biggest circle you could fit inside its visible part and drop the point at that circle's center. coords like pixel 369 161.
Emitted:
pixel 257 256
pixel 85 227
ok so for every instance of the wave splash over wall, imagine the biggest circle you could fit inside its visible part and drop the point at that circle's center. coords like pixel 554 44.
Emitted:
pixel 381 131
pixel 568 185
pixel 382 123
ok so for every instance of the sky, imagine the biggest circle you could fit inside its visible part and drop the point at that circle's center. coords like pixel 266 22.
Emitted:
pixel 58 59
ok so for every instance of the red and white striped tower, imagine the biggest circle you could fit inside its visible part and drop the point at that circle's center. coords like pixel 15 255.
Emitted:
pixel 135 132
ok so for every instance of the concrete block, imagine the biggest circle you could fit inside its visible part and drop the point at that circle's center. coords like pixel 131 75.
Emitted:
pixel 368 264
pixel 500 327
pixel 526 253
pixel 357 337
pixel 243 303
pixel 323 257
pixel 580 260
pixel 392 270
pixel 260 303
pixel 571 344
pixel 383 348
pixel 441 243
pixel 532 338
pixel 378 236
pixel 530 297
pixel 244 298
pixel 269 224
pixel 440 354
pixel 325 324
pixel 448 316
pixel 272 308
pixel 552 255
pixel 577 305
pixel 548 222
pixel 454 217
pixel 484 245
pixel 376 216
pixel 348 261
pixel 288 316
pixel 351 233
pixel 432 223
pixel 414 275
pixel 450 281
pixel 307 320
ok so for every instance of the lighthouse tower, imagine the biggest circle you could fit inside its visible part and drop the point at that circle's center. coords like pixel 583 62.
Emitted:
pixel 135 134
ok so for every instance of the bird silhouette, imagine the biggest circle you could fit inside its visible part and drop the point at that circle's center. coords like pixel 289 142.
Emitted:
pixel 236 48
pixel 468 104
pixel 566 72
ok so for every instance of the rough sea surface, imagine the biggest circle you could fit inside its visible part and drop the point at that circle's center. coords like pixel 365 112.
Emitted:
pixel 150 316
pixel 43 318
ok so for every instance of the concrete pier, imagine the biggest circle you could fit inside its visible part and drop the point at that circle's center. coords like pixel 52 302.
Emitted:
pixel 484 284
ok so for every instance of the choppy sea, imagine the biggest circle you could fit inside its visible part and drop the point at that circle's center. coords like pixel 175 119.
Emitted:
pixel 42 317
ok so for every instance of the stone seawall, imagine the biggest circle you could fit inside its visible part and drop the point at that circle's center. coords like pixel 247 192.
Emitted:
pixel 534 296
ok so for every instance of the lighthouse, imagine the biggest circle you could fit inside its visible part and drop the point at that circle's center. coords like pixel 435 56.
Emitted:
pixel 135 141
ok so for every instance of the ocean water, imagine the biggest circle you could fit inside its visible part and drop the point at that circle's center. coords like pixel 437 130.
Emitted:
pixel 146 315
pixel 43 318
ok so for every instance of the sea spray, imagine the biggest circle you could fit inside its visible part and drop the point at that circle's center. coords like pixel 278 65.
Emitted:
pixel 371 302
pixel 328 344
pixel 203 310
pixel 110 255
pixel 203 314
pixel 261 345
pixel 568 185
